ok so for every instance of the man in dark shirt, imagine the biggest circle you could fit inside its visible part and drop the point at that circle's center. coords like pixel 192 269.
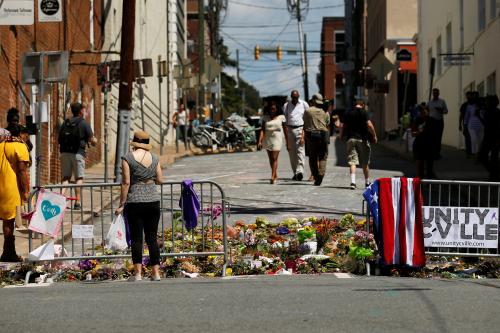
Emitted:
pixel 490 147
pixel 358 130
pixel 73 160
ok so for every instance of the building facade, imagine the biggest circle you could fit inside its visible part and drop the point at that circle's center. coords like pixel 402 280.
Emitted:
pixel 330 78
pixel 160 35
pixel 389 27
pixel 470 32
pixel 80 31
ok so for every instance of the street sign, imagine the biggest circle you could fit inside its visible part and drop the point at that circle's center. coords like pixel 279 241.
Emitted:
pixel 457 60
pixel 403 55
pixel 212 68
pixel 50 10
pixel 17 12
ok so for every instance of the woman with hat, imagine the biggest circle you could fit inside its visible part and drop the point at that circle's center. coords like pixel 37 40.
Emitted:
pixel 141 172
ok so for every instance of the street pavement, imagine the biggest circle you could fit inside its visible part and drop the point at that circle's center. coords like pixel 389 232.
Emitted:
pixel 245 179
pixel 255 304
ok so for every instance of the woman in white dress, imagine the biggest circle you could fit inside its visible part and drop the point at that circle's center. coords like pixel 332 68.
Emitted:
pixel 271 137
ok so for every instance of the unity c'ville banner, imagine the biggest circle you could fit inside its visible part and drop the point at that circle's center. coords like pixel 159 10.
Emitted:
pixel 473 227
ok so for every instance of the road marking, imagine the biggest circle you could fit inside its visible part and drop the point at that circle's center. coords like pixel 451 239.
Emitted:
pixel 31 285
pixel 223 176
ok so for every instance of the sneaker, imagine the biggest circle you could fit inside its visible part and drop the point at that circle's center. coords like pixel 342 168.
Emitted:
pixel 294 177
pixel 77 206
pixel 367 184
pixel 318 181
pixel 300 176
pixel 134 278
pixel 352 186
pixel 155 278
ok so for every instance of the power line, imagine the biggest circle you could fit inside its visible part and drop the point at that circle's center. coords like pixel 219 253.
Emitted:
pixel 265 25
pixel 282 30
pixel 281 8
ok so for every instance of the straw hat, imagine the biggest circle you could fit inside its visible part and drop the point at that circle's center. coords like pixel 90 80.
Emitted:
pixel 141 140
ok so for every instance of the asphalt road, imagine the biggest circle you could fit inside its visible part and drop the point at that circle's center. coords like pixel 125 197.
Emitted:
pixel 257 304
pixel 245 180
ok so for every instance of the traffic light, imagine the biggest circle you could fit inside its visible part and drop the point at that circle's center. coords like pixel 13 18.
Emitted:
pixel 256 52
pixel 279 53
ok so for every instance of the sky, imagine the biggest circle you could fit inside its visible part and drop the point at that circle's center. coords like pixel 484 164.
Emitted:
pixel 268 23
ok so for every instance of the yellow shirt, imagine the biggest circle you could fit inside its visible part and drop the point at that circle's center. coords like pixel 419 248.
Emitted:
pixel 10 154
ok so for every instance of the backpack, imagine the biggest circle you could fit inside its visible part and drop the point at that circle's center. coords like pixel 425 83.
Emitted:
pixel 69 137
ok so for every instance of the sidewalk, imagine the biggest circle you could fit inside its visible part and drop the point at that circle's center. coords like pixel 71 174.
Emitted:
pixel 94 174
pixel 452 166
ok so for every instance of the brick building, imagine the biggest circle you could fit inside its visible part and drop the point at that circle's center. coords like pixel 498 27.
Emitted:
pixel 79 30
pixel 330 78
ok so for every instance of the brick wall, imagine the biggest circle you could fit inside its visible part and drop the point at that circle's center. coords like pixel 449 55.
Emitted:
pixel 71 34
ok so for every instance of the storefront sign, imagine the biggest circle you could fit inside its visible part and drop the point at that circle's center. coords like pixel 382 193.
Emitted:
pixel 50 10
pixel 457 60
pixel 404 55
pixel 17 12
pixel 473 227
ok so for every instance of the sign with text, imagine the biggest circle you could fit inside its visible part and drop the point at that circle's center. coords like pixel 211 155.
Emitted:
pixel 17 12
pixel 82 231
pixel 50 10
pixel 474 227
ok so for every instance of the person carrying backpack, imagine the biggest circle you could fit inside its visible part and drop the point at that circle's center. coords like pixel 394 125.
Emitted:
pixel 74 136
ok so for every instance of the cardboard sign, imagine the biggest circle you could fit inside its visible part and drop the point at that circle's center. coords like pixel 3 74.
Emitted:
pixel 473 227
pixel 82 231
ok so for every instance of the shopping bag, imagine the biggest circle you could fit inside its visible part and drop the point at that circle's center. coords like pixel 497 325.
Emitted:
pixel 116 238
pixel 49 213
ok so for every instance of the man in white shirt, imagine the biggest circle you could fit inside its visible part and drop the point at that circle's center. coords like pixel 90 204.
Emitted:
pixel 437 110
pixel 294 113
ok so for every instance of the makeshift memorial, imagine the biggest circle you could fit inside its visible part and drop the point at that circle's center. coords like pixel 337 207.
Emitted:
pixel 49 213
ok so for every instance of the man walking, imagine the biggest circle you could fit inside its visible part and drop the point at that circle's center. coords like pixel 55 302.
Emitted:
pixel 358 130
pixel 74 136
pixel 437 110
pixel 294 114
pixel 317 137
pixel 468 106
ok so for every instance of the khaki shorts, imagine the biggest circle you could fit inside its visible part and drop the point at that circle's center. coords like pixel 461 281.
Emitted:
pixel 72 164
pixel 358 152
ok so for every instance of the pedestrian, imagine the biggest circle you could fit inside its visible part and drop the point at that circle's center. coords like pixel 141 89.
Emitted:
pixel 74 137
pixel 294 113
pixel 437 110
pixel 359 132
pixel 179 122
pixel 140 200
pixel 14 185
pixel 421 131
pixel 472 118
pixel 271 137
pixel 317 137
pixel 13 119
pixel 488 154
pixel 468 105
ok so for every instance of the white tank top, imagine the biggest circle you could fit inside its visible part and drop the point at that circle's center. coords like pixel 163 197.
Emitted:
pixel 181 118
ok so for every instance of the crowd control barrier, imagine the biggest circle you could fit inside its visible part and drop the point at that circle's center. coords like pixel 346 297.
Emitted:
pixel 98 204
pixel 472 206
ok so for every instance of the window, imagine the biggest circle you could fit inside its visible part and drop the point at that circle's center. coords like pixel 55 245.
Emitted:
pixel 480 89
pixel 481 14
pixel 493 9
pixel 449 40
pixel 340 50
pixel 439 57
pixel 429 59
pixel 491 84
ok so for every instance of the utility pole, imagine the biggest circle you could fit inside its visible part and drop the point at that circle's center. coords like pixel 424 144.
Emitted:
pixel 306 71
pixel 238 78
pixel 201 52
pixel 126 83
pixel 349 40
pixel 169 79
pixel 298 10
pixel 160 79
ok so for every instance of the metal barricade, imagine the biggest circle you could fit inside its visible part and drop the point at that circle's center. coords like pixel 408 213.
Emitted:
pixel 97 206
pixel 463 194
